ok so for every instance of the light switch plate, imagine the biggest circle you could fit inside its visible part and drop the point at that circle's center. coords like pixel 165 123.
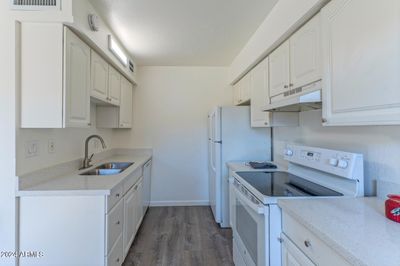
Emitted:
pixel 32 148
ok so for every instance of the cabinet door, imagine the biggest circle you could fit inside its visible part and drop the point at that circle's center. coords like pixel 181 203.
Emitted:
pixel 361 62
pixel 114 86
pixel 259 95
pixel 245 93
pixel 236 93
pixel 77 81
pixel 99 77
pixel 130 219
pixel 305 54
pixel 292 256
pixel 146 185
pixel 139 204
pixel 125 113
pixel 279 70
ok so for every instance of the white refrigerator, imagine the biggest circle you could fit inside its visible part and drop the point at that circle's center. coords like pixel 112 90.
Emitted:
pixel 231 138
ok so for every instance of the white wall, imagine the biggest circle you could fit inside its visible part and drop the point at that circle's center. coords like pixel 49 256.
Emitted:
pixel 380 145
pixel 7 134
pixel 69 144
pixel 170 115
pixel 284 19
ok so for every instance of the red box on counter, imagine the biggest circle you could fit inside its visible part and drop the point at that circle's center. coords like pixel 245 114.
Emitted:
pixel 393 208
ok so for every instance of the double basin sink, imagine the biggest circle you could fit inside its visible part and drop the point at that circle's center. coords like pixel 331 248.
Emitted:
pixel 108 169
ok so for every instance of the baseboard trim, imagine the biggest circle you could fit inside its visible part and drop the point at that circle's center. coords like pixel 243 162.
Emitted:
pixel 179 203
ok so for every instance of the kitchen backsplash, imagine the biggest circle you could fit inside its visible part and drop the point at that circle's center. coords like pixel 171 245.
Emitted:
pixel 378 144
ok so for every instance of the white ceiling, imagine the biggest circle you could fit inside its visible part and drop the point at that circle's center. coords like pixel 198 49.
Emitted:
pixel 184 32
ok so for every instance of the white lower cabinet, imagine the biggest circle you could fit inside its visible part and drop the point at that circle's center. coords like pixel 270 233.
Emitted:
pixel 292 256
pixel 301 247
pixel 133 215
pixel 82 230
pixel 146 185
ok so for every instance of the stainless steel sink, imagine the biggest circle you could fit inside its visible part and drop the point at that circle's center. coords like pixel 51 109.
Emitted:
pixel 112 168
pixel 113 165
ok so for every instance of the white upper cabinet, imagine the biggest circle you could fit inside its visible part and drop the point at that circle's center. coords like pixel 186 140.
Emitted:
pixel 114 86
pixel 297 62
pixel 99 77
pixel 260 97
pixel 305 54
pixel 106 81
pixel 259 94
pixel 55 77
pixel 361 62
pixel 125 113
pixel 241 91
pixel 279 78
pixel 77 81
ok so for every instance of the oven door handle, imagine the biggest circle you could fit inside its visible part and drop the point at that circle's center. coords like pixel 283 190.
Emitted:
pixel 258 208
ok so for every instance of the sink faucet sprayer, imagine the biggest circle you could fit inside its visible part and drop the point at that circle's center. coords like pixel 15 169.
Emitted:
pixel 87 159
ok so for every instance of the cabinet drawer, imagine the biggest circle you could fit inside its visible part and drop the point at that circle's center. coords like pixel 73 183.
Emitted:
pixel 115 258
pixel 114 197
pixel 114 225
pixel 132 179
pixel 319 252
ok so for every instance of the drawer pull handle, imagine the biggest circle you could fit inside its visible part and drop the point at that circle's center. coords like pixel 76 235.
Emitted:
pixel 307 243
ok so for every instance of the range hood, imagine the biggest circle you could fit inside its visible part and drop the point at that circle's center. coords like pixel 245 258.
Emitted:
pixel 304 101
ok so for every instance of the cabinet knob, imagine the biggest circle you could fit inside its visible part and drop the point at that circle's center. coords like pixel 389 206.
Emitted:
pixel 118 222
pixel 307 243
pixel 121 125
pixel 117 259
pixel 89 124
pixel 291 85
pixel 286 86
pixel 324 120
pixel 280 239
pixel 117 195
pixel 266 123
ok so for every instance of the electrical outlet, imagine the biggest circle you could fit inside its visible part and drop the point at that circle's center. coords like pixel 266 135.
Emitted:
pixel 32 148
pixel 51 146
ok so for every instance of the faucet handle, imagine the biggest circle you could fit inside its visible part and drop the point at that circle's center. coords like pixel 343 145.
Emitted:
pixel 91 156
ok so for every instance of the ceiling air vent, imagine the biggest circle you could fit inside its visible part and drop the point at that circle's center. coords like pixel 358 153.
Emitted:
pixel 35 4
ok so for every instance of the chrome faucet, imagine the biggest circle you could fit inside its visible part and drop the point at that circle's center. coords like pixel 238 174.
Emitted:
pixel 87 160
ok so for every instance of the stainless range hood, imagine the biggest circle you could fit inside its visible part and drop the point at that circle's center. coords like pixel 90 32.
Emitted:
pixel 305 101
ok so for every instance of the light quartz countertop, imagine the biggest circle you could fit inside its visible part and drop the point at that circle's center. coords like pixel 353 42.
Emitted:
pixel 355 228
pixel 65 179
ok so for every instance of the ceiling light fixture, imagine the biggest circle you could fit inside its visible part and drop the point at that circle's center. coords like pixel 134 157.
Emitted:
pixel 117 50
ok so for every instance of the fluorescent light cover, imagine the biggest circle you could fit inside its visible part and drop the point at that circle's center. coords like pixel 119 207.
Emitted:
pixel 117 51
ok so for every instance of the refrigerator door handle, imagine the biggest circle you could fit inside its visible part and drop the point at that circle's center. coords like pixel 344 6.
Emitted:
pixel 218 142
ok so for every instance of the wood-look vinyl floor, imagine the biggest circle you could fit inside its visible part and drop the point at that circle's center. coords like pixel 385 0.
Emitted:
pixel 180 236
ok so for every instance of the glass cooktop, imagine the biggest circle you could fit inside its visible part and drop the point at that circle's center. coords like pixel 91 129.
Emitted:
pixel 284 184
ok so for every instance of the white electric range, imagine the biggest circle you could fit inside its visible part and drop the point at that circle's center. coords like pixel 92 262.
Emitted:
pixel 256 218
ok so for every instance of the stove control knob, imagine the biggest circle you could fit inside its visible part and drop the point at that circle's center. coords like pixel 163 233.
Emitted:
pixel 288 152
pixel 343 164
pixel 333 161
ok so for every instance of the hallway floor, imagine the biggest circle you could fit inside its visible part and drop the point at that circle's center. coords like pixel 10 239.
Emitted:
pixel 180 236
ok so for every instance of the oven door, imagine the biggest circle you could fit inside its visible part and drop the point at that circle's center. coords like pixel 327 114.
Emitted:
pixel 250 233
